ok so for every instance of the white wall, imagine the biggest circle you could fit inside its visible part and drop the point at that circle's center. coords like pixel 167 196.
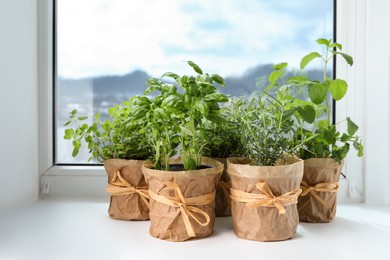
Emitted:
pixel 377 102
pixel 19 176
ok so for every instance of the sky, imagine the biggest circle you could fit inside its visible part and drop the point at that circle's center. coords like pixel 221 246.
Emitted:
pixel 107 37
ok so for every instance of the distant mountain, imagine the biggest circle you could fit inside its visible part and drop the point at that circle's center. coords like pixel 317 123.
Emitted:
pixel 134 83
pixel 106 91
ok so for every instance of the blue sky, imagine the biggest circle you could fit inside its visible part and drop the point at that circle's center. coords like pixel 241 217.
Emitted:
pixel 101 37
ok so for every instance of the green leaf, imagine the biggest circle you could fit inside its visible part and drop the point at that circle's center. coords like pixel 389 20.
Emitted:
pixel 81 118
pixel 298 80
pixel 287 114
pixel 186 131
pixel 359 147
pixel 352 127
pixel 338 88
pixel 216 97
pixel 337 45
pixel 323 41
pixel 75 152
pixel 202 107
pixel 307 113
pixel 172 101
pixel 273 77
pixel 317 93
pixel 280 66
pixel 195 67
pixel 159 113
pixel 308 58
pixel 171 75
pixel 68 133
pixel 323 124
pixel 217 141
pixel 67 123
pixel 97 116
pixel 344 138
pixel 346 57
pixel 218 79
pixel 189 164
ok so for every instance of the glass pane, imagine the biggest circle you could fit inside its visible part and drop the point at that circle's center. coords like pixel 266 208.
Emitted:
pixel 106 50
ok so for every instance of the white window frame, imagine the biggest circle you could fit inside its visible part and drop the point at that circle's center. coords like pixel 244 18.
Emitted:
pixel 89 181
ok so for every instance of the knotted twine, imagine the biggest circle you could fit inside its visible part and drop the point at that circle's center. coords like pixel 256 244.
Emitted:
pixel 186 205
pixel 266 198
pixel 119 186
pixel 319 187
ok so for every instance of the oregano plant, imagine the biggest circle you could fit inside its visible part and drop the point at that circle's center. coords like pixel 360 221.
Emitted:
pixel 109 139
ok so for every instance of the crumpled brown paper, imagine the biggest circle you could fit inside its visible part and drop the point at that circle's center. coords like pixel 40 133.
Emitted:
pixel 222 193
pixel 180 201
pixel 131 205
pixel 317 203
pixel 270 214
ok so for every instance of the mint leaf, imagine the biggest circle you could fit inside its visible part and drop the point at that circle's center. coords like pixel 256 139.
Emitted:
pixel 346 57
pixel 323 41
pixel 338 88
pixel 317 93
pixel 308 58
pixel 280 66
pixel 307 113
pixel 352 127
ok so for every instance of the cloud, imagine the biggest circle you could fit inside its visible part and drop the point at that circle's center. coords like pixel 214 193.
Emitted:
pixel 97 37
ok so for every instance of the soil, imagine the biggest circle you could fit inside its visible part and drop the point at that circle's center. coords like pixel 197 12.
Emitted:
pixel 180 167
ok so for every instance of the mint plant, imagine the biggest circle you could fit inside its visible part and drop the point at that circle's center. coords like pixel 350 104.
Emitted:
pixel 326 140
pixel 111 138
pixel 178 117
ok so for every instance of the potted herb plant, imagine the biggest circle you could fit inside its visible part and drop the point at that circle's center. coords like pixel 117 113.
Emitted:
pixel 181 189
pixel 266 182
pixel 227 143
pixel 123 149
pixel 325 152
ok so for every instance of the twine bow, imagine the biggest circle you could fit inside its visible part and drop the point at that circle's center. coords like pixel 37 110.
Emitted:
pixel 319 187
pixel 186 205
pixel 119 186
pixel 266 198
pixel 225 187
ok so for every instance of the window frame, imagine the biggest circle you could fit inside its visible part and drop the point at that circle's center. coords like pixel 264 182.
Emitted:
pixel 83 180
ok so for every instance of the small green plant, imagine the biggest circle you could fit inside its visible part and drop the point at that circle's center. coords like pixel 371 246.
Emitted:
pixel 111 138
pixel 314 119
pixel 226 135
pixel 175 117
pixel 267 128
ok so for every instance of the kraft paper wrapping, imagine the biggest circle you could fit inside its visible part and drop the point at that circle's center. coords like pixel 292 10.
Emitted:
pixel 264 199
pixel 128 189
pixel 317 203
pixel 222 193
pixel 182 203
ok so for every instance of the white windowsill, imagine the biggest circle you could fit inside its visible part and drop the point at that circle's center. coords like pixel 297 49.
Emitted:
pixel 90 182
pixel 61 229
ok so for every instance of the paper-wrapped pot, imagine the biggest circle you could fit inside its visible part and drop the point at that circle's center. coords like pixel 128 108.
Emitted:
pixel 182 203
pixel 222 192
pixel 317 202
pixel 128 189
pixel 264 198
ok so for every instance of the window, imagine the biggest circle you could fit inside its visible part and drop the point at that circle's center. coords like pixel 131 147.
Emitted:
pixel 106 50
